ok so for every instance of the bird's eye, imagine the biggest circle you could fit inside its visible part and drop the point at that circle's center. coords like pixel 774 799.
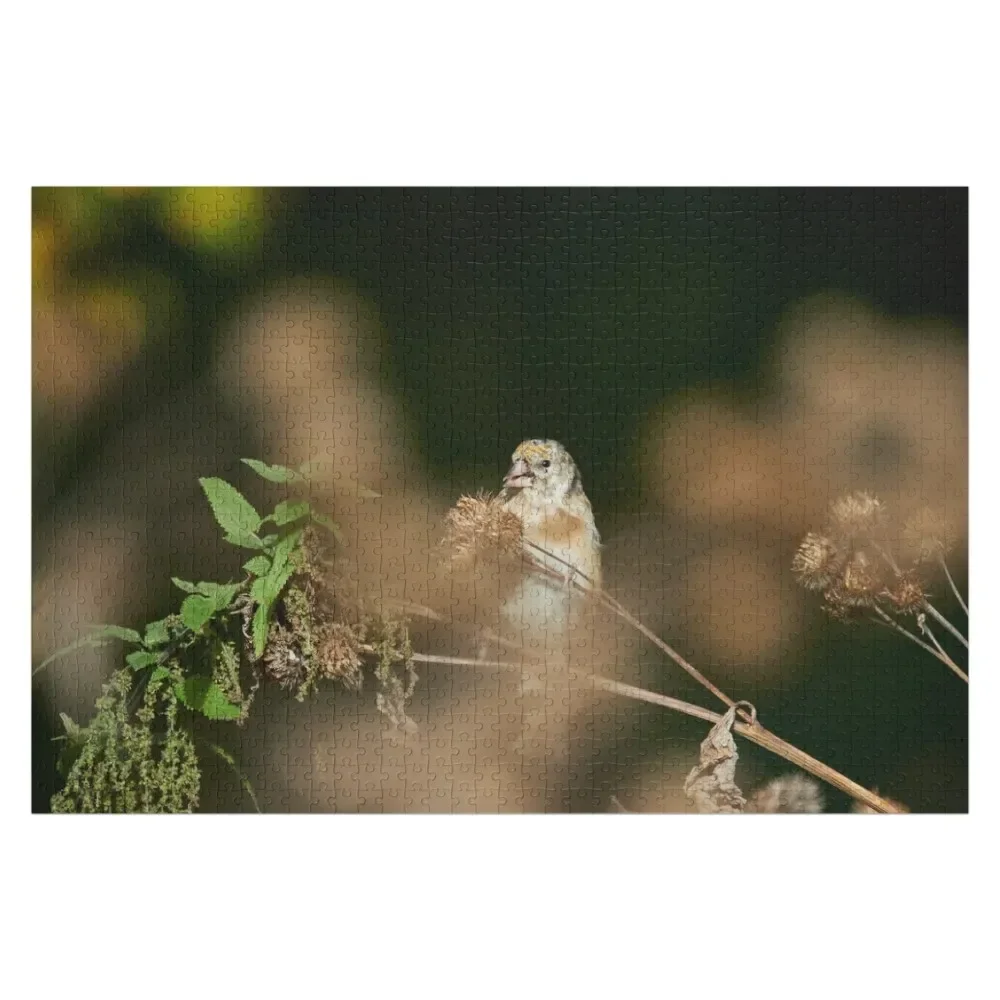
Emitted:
pixel 545 463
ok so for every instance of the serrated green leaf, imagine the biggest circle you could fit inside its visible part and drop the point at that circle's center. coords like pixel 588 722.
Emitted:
pixel 117 632
pixel 268 542
pixel 273 473
pixel 259 628
pixel 323 521
pixel 220 594
pixel 158 673
pixel 196 610
pixel 258 566
pixel 202 695
pixel 157 633
pixel 141 658
pixel 266 590
pixel 235 514
pixel 188 588
pixel 102 635
pixel 284 548
pixel 288 511
pixel 244 539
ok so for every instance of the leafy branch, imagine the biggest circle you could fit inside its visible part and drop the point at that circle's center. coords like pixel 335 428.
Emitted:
pixel 283 621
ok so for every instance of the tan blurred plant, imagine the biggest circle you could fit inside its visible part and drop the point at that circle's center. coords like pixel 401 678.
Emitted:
pixel 477 525
pixel 851 563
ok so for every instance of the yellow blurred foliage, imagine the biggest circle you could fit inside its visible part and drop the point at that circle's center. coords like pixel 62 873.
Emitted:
pixel 228 219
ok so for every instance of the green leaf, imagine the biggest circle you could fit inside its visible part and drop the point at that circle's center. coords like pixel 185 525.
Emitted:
pixel 102 635
pixel 196 610
pixel 325 522
pixel 284 548
pixel 157 633
pixel 258 566
pixel 141 658
pixel 158 673
pixel 266 590
pixel 273 473
pixel 259 627
pixel 220 594
pixel 288 511
pixel 117 632
pixel 235 514
pixel 188 588
pixel 72 728
pixel 202 695
pixel 244 539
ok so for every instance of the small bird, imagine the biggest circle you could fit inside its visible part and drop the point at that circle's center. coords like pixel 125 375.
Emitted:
pixel 543 488
pixel 546 613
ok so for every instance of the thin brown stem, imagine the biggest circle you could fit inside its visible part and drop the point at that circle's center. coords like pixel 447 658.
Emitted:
pixel 951 583
pixel 756 733
pixel 940 618
pixel 749 728
pixel 603 597
pixel 926 629
pixel 891 623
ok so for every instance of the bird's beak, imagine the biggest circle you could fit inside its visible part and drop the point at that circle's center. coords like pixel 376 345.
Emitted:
pixel 519 475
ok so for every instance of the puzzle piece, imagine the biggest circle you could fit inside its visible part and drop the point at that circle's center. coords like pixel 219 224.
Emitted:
pixel 698 374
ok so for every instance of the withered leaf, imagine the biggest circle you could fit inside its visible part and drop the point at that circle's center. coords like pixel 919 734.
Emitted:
pixel 711 785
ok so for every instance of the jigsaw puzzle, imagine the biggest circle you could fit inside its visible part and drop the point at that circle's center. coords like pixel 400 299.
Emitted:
pixel 500 500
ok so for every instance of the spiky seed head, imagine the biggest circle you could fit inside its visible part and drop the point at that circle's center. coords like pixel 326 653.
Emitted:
pixel 907 594
pixel 858 585
pixel 480 524
pixel 338 650
pixel 817 561
pixel 856 514
pixel 927 535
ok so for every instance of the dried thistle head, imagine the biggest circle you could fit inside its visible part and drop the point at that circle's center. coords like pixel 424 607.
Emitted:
pixel 855 515
pixel 791 793
pixel 906 593
pixel 817 561
pixel 283 659
pixel 859 583
pixel 927 535
pixel 480 524
pixel 338 651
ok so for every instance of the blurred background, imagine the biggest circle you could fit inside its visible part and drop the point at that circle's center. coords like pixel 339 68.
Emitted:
pixel 720 363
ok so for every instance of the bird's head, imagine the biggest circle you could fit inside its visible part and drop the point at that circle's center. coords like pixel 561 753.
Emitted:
pixel 544 467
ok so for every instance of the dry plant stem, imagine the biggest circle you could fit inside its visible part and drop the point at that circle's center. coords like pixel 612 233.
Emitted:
pixel 612 605
pixel 926 629
pixel 940 618
pixel 888 622
pixel 951 583
pixel 755 732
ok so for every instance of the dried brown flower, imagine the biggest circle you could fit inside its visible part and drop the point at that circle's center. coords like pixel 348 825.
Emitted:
pixel 481 524
pixel 283 659
pixel 927 535
pixel 817 561
pixel 907 593
pixel 859 583
pixel 338 650
pixel 791 793
pixel 855 515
